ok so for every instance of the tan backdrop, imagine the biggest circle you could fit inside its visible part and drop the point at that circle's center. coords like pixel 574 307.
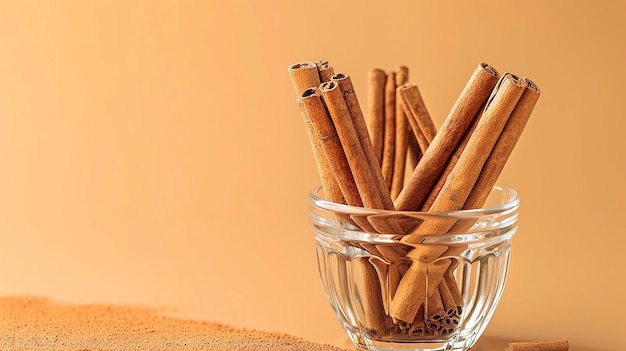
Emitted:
pixel 152 152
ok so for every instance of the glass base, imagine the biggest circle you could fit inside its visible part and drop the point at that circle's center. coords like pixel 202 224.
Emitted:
pixel 454 344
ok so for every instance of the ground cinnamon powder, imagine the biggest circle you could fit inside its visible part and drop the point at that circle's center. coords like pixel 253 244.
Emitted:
pixel 38 324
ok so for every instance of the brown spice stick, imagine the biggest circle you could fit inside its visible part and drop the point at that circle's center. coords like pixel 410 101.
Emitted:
pixel 303 76
pixel 547 345
pixel 357 162
pixel 449 303
pixel 418 326
pixel 320 120
pixel 419 282
pixel 413 289
pixel 401 137
pixel 325 70
pixel 327 135
pixel 435 310
pixel 463 176
pixel 436 157
pixel 382 270
pixel 451 163
pixel 342 121
pixel 414 153
pixel 418 116
pixel 504 146
pixel 360 126
pixel 389 141
pixel 373 314
pixel 453 288
pixel 376 110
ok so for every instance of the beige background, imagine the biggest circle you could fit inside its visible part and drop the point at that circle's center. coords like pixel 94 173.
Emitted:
pixel 152 152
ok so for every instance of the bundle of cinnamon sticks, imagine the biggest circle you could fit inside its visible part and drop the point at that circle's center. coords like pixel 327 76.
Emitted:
pixel 364 162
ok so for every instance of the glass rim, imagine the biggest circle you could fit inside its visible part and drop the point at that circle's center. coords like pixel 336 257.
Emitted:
pixel 511 202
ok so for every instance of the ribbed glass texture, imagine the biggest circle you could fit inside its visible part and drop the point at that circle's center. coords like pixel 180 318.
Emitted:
pixel 432 283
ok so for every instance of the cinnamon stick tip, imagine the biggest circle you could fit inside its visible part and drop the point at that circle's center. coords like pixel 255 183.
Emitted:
pixel 532 85
pixel 313 91
pixel 489 69
pixel 515 79
pixel 328 86
pixel 339 76
pixel 402 71
pixel 322 64
pixel 301 65
pixel 377 72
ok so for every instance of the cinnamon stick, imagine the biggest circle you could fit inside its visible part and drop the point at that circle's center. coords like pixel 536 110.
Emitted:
pixel 453 288
pixel 360 127
pixel 418 326
pixel 450 166
pixel 461 179
pixel 434 313
pixel 412 289
pixel 401 136
pixel 324 129
pixel 357 162
pixel 325 70
pixel 414 153
pixel 548 345
pixel 463 176
pixel 389 138
pixel 376 110
pixel 417 115
pixel 456 124
pixel 371 308
pixel 342 121
pixel 303 76
pixel 504 146
pixel 419 282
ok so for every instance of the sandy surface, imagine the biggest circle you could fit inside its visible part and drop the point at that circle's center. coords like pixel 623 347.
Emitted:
pixel 35 324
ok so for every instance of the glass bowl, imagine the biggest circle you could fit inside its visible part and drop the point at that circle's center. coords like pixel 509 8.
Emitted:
pixel 432 282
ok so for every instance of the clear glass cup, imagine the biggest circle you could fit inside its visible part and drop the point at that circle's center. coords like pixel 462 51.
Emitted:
pixel 432 282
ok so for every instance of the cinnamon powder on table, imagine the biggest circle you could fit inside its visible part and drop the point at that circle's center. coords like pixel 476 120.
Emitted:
pixel 38 324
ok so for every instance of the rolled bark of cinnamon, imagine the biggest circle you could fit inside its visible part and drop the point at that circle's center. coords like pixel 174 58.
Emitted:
pixel 461 180
pixel 357 162
pixel 401 137
pixel 303 76
pixel 389 136
pixel 414 153
pixel 450 166
pixel 459 183
pixel 376 110
pixel 467 169
pixel 548 345
pixel 372 313
pixel 325 70
pixel 324 129
pixel 417 115
pixel 504 146
pixel 418 283
pixel 450 134
pixel 327 135
pixel 358 165
pixel 360 127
